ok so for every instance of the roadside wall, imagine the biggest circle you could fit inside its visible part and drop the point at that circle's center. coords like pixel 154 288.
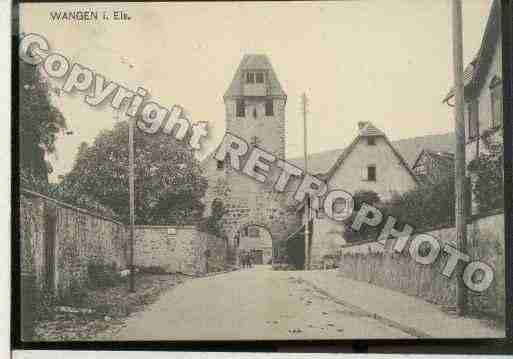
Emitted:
pixel 172 248
pixel 397 271
pixel 58 241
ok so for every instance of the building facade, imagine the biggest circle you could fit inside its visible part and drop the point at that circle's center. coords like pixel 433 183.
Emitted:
pixel 483 94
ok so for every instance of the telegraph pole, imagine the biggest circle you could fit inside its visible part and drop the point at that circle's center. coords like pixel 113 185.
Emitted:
pixel 460 176
pixel 304 101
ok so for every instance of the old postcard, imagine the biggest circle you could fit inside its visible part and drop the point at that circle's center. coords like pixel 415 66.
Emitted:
pixel 260 171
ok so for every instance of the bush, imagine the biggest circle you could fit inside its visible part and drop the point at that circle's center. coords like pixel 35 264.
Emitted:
pixel 75 296
pixel 488 185
pixel 102 275
pixel 429 205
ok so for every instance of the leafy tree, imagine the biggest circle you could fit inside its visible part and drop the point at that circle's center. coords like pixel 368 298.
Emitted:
pixel 428 205
pixel 360 197
pixel 39 123
pixel 213 224
pixel 168 181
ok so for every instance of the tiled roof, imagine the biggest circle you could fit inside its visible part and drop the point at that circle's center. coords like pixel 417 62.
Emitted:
pixel 475 72
pixel 409 149
pixel 366 129
pixel 369 129
pixel 255 62
pixel 468 74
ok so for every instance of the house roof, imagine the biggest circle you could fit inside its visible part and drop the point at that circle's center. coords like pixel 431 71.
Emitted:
pixel 475 72
pixel 409 148
pixel 437 155
pixel 367 129
pixel 255 62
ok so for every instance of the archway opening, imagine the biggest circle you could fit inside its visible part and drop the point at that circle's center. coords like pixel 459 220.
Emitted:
pixel 254 243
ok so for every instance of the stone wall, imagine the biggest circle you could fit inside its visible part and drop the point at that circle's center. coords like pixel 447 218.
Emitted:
pixel 373 264
pixel 79 238
pixel 172 248
pixel 59 241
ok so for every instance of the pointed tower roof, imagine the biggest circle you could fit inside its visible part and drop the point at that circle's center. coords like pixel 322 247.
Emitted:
pixel 255 62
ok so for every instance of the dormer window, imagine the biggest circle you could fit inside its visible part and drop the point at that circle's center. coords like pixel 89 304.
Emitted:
pixel 371 141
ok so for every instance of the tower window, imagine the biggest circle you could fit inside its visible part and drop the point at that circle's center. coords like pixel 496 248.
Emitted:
pixel 371 173
pixel 371 141
pixel 220 165
pixel 269 109
pixel 241 108
pixel 250 77
pixel 259 78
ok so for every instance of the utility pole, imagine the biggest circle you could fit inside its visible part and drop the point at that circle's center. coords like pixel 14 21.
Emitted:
pixel 304 101
pixel 460 176
pixel 132 201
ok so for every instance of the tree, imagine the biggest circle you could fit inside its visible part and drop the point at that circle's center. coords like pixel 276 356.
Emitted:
pixel 360 198
pixel 39 123
pixel 213 224
pixel 168 181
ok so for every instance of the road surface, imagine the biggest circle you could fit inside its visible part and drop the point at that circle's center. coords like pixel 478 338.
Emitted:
pixel 253 304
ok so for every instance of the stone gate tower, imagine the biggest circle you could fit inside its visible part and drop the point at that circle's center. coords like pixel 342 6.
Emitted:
pixel 255 111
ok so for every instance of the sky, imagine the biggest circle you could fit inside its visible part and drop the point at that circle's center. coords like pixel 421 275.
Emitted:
pixel 388 62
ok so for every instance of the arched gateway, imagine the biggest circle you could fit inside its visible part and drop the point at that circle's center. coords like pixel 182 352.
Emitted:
pixel 255 111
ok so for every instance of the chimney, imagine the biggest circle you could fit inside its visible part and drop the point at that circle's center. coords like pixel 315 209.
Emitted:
pixel 361 124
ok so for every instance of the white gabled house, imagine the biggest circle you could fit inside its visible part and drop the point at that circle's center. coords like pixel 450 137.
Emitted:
pixel 369 163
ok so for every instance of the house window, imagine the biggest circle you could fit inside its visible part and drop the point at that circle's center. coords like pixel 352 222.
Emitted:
pixel 371 141
pixel 220 165
pixel 269 109
pixel 371 173
pixel 259 77
pixel 241 108
pixel 250 77
pixel 473 119
pixel 496 98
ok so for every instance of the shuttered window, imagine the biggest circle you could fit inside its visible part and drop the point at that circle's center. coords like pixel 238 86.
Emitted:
pixel 269 109
pixel 371 173
pixel 473 119
pixel 496 98
pixel 240 108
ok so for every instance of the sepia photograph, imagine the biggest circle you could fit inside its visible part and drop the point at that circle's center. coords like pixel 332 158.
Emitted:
pixel 260 171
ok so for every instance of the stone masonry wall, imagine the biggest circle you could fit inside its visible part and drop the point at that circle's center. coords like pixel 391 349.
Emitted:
pixel 173 248
pixel 80 237
pixel 397 271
